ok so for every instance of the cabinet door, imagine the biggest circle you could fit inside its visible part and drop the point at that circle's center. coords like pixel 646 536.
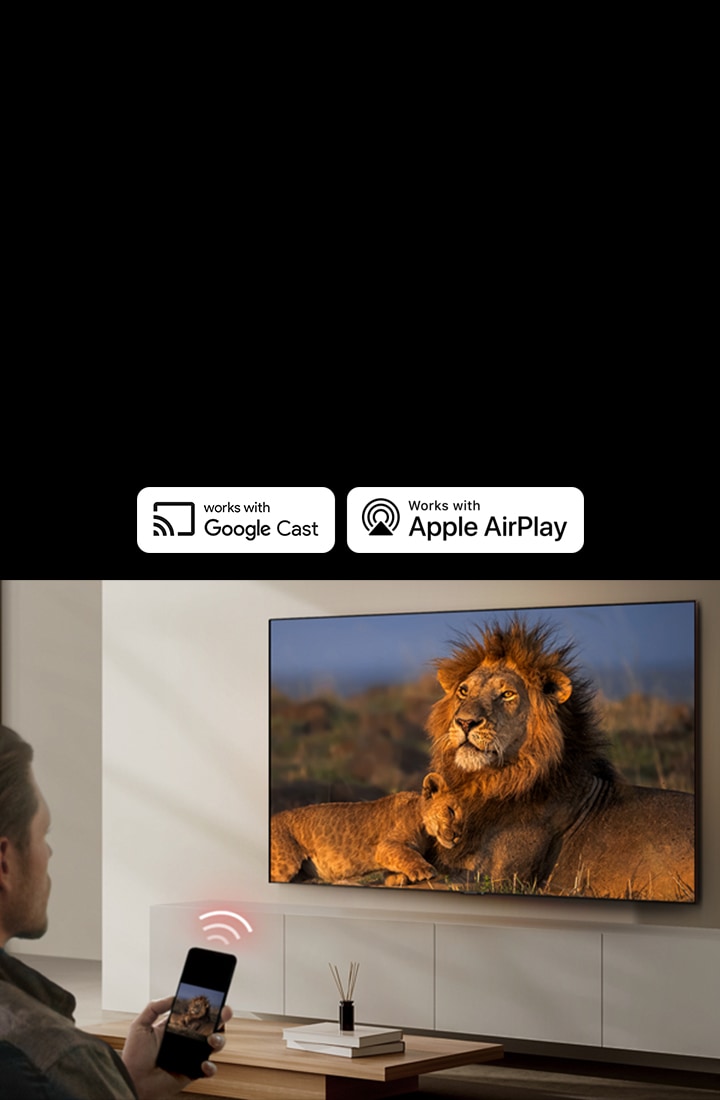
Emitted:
pixel 394 984
pixel 519 983
pixel 662 992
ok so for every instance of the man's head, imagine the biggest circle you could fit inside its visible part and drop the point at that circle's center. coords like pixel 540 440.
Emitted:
pixel 24 852
pixel 18 798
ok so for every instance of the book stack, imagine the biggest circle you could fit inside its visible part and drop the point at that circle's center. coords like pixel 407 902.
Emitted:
pixel 362 1041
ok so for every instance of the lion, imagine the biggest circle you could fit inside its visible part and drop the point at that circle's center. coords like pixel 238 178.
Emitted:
pixel 343 840
pixel 517 738
pixel 197 1016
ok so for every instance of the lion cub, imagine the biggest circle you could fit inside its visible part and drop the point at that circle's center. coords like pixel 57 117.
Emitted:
pixel 347 839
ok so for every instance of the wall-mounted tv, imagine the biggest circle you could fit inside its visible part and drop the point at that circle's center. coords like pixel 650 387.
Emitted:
pixel 527 751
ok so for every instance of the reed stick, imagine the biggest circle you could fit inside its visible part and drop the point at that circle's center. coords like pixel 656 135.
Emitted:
pixel 346 992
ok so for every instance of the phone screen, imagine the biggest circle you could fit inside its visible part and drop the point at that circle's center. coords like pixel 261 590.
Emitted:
pixel 195 1012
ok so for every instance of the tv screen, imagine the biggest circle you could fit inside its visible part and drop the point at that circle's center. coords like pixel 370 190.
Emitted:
pixel 526 751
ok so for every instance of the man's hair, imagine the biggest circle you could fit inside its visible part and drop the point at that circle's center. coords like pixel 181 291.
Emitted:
pixel 18 800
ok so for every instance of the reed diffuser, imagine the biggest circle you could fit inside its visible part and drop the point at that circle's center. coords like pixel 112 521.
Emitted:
pixel 347 1005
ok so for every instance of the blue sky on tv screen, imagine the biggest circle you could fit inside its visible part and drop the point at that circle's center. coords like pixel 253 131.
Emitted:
pixel 622 647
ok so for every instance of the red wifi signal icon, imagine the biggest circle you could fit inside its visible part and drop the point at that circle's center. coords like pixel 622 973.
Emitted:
pixel 217 930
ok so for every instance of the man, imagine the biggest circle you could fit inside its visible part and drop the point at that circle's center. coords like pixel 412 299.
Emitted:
pixel 37 1031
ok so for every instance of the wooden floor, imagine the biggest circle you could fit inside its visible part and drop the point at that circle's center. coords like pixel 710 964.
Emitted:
pixel 517 1077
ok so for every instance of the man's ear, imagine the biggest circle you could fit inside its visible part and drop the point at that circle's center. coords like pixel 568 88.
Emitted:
pixel 4 864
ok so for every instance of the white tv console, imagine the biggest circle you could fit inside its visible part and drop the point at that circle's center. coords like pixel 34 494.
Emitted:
pixel 627 988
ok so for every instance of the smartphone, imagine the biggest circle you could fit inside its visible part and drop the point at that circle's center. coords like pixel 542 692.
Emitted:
pixel 195 1012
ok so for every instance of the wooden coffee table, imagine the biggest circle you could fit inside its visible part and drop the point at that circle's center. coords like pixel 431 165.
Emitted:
pixel 255 1064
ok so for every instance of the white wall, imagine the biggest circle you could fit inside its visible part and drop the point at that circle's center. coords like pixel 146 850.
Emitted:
pixel 185 749
pixel 51 665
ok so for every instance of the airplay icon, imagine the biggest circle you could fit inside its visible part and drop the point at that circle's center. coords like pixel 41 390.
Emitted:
pixel 380 517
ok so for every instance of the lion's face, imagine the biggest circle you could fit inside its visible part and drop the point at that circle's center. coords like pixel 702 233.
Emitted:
pixel 441 811
pixel 498 724
pixel 488 723
pixel 198 1006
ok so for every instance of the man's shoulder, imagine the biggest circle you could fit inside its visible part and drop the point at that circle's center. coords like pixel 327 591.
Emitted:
pixel 22 1014
pixel 81 1063
pixel 18 975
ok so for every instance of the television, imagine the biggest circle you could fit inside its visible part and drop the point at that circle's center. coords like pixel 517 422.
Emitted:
pixel 542 751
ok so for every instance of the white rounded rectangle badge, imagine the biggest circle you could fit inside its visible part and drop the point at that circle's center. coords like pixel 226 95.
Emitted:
pixel 479 520
pixel 236 520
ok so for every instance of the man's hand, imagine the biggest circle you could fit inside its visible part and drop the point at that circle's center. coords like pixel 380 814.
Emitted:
pixel 141 1050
